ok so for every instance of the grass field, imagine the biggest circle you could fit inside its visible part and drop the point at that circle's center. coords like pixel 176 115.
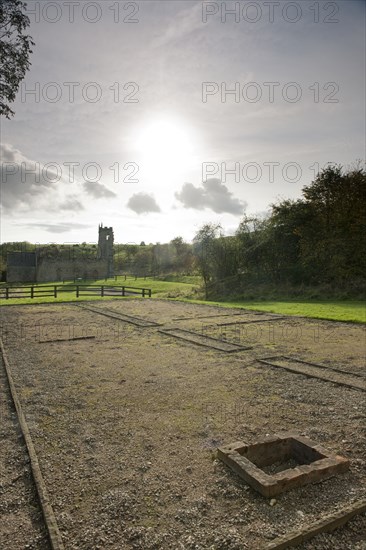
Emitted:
pixel 160 289
pixel 351 311
pixel 187 288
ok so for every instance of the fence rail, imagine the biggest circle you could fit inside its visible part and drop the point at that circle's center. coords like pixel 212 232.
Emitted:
pixel 79 280
pixel 32 291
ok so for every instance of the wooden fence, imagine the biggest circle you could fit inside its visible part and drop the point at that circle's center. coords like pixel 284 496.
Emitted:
pixel 83 280
pixel 32 291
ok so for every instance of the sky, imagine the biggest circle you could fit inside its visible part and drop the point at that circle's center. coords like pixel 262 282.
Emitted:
pixel 156 117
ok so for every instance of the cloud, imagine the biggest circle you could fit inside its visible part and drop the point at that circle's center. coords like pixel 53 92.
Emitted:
pixel 24 183
pixel 213 194
pixel 184 23
pixel 71 203
pixel 142 203
pixel 192 197
pixel 8 153
pixel 98 190
pixel 55 227
pixel 29 185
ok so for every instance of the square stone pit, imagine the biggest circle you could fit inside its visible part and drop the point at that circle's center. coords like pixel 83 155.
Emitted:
pixel 297 460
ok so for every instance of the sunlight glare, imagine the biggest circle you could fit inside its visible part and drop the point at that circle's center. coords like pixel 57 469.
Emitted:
pixel 164 145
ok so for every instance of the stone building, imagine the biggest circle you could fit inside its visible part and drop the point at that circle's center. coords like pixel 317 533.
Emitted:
pixel 48 265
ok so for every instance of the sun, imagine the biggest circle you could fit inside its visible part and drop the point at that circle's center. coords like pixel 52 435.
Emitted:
pixel 163 145
pixel 164 138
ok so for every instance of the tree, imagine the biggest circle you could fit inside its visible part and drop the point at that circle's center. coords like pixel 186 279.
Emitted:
pixel 204 251
pixel 334 242
pixel 288 220
pixel 255 249
pixel 15 49
pixel 183 255
pixel 163 258
pixel 142 261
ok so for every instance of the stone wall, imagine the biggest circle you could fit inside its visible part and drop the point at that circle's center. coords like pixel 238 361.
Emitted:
pixel 19 274
pixel 49 270
pixel 51 265
pixel 21 267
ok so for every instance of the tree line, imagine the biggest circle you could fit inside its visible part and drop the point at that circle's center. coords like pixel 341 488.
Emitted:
pixel 315 240
pixel 175 257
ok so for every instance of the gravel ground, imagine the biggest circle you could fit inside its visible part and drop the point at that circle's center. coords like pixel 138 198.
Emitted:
pixel 21 517
pixel 126 424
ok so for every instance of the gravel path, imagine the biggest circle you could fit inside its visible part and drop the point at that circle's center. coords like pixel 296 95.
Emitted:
pixel 22 523
pixel 126 424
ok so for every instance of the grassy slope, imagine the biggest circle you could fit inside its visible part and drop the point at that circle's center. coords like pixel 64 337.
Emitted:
pixel 354 311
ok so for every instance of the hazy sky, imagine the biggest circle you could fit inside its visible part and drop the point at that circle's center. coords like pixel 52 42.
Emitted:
pixel 155 117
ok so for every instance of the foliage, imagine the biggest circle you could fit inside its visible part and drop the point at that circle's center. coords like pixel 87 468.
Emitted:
pixel 334 242
pixel 316 240
pixel 15 49
pixel 205 251
pixel 154 259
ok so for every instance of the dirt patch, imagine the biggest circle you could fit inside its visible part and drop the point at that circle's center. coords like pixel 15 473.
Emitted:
pixel 126 424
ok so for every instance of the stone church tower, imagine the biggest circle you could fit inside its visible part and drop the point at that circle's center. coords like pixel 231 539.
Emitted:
pixel 105 247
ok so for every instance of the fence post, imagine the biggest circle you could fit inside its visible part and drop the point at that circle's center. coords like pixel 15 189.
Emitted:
pixel 123 291
pixel 102 290
pixel 7 293
pixel 77 291
pixel 32 291
pixel 149 292
pixel 55 291
pixel 143 293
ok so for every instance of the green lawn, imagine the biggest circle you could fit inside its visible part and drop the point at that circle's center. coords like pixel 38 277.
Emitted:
pixel 354 311
pixel 186 288
pixel 160 289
